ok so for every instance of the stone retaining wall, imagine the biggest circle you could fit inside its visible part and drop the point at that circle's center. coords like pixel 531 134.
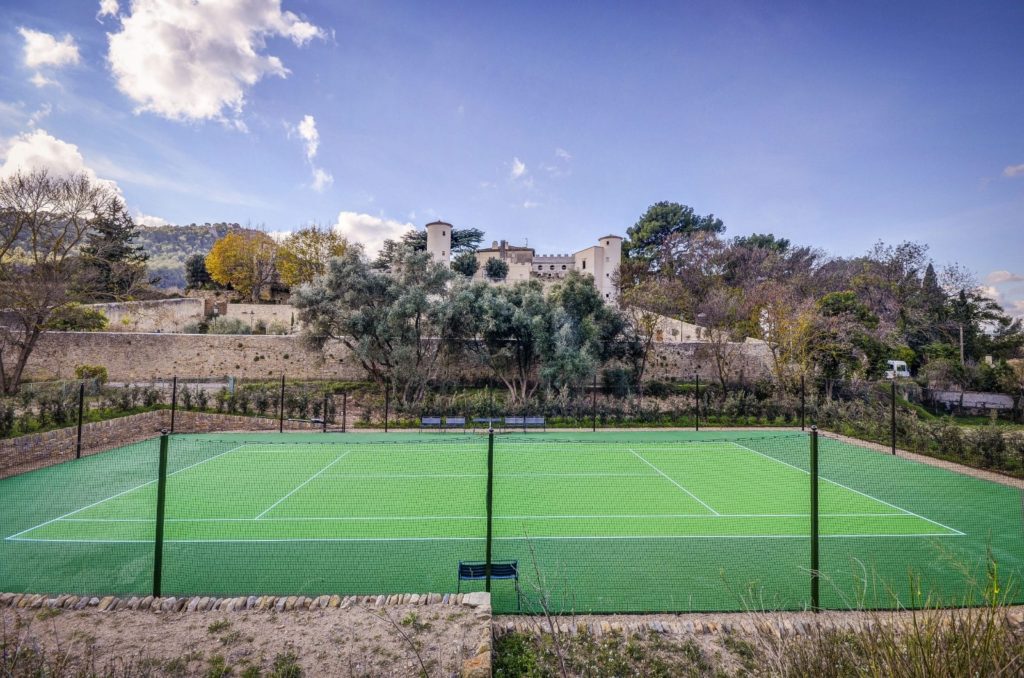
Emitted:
pixel 146 357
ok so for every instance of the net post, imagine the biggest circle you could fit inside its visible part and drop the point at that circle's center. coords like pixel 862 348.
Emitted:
pixel 815 574
pixel 593 405
pixel 387 403
pixel 81 412
pixel 344 409
pixel 696 418
pixel 892 425
pixel 323 414
pixel 174 399
pixel 803 404
pixel 280 409
pixel 490 508
pixel 161 495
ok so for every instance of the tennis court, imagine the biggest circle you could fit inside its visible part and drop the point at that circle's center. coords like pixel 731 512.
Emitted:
pixel 598 522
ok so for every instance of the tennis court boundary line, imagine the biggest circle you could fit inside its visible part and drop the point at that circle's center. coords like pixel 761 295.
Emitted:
pixel 845 487
pixel 128 491
pixel 304 483
pixel 666 477
pixel 540 538
pixel 611 516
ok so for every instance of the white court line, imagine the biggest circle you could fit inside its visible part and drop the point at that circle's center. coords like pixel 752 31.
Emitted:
pixel 881 501
pixel 662 473
pixel 307 481
pixel 392 539
pixel 484 475
pixel 119 494
pixel 669 516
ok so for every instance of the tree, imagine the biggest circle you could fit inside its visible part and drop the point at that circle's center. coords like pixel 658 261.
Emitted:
pixel 466 264
pixel 526 339
pixel 496 269
pixel 762 241
pixel 245 260
pixel 44 221
pixel 305 253
pixel 463 240
pixel 196 275
pixel 661 221
pixel 402 326
pixel 118 264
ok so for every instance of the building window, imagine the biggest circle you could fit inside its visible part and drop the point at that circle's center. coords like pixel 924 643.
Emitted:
pixel 584 264
pixel 442 253
pixel 607 258
pixel 443 234
pixel 552 267
pixel 563 267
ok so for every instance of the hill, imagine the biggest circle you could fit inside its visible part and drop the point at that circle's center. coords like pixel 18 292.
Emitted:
pixel 169 246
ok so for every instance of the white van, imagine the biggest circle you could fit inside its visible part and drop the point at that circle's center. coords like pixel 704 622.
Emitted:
pixel 897 369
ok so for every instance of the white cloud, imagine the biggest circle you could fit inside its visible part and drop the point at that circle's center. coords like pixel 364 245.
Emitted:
pixel 188 60
pixel 321 179
pixel 39 150
pixel 307 131
pixel 108 8
pixel 40 80
pixel 368 230
pixel 42 49
pixel 1001 277
pixel 563 154
pixel 1013 170
pixel 149 220
pixel 530 204
pixel 39 115
pixel 518 168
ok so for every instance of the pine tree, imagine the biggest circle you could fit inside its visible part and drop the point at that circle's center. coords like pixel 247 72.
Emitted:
pixel 118 264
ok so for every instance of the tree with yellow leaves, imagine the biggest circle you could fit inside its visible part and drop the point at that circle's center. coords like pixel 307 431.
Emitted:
pixel 245 260
pixel 305 253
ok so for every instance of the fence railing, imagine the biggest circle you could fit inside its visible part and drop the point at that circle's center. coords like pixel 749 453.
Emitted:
pixel 557 522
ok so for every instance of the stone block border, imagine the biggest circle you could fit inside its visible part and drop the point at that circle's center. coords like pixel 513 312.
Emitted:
pixel 477 666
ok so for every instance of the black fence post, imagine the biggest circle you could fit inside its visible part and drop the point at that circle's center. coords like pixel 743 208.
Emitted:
pixel 815 574
pixel 161 495
pixel 344 409
pixel 696 411
pixel 81 412
pixel 280 409
pixel 893 415
pixel 174 399
pixel 593 404
pixel 387 403
pixel 490 507
pixel 323 414
pixel 803 403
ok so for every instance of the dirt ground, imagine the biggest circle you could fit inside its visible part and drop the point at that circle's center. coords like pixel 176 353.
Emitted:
pixel 399 640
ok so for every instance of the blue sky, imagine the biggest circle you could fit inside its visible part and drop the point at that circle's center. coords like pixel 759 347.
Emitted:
pixel 834 124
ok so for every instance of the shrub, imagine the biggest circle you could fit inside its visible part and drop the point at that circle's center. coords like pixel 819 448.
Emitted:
pixel 200 327
pixel 98 373
pixel 277 327
pixel 228 326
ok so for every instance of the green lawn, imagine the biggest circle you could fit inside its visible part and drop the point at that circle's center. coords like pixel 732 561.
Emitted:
pixel 623 521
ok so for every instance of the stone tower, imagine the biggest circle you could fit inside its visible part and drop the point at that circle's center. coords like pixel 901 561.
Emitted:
pixel 439 241
pixel 612 245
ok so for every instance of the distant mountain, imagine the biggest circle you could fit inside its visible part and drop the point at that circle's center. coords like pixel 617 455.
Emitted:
pixel 169 246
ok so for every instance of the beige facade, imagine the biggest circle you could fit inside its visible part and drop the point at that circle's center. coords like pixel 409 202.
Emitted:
pixel 601 261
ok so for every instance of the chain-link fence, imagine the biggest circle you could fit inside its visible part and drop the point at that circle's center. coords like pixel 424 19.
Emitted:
pixel 561 522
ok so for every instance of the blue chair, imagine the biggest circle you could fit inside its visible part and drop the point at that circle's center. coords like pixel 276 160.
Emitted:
pixel 476 571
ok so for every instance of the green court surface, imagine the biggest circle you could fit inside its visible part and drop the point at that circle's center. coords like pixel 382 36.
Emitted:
pixel 623 521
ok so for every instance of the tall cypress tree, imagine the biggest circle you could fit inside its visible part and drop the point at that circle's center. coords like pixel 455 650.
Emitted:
pixel 118 264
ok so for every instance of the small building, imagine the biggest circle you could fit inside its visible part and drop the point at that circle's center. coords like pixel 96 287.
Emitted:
pixel 601 261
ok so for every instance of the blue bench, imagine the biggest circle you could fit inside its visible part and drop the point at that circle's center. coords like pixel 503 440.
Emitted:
pixel 526 422
pixel 477 571
pixel 487 421
pixel 430 422
pixel 455 422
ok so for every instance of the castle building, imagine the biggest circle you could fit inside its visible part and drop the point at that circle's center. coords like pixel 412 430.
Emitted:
pixel 601 261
